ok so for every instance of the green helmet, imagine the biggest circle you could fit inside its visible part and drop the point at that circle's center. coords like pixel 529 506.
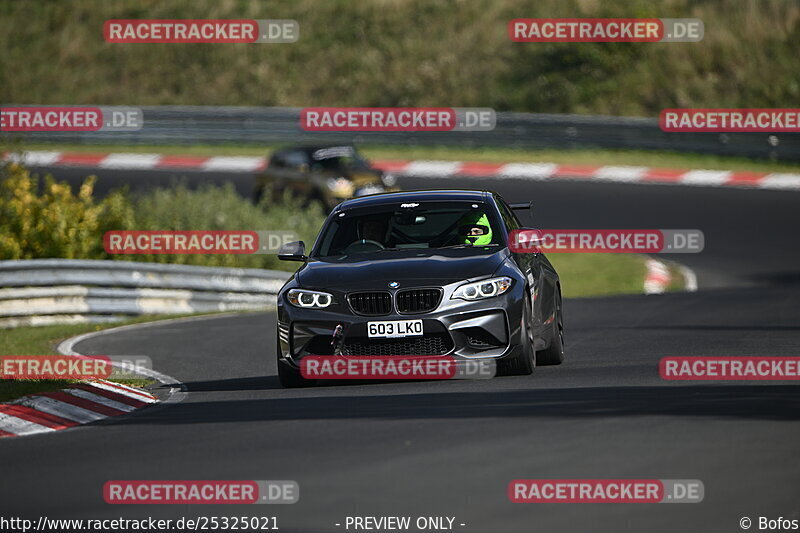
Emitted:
pixel 477 218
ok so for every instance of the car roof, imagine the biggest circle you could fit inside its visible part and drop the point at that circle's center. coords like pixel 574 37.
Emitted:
pixel 431 195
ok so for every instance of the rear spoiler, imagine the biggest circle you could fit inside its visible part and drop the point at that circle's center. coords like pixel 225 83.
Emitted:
pixel 521 206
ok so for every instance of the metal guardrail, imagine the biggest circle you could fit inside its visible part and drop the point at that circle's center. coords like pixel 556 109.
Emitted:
pixel 186 125
pixel 53 291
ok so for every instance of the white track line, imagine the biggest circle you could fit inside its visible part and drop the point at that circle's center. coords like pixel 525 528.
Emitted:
pixel 177 391
pixel 46 405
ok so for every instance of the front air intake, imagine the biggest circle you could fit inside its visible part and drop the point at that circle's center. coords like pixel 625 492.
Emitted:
pixel 413 301
pixel 370 303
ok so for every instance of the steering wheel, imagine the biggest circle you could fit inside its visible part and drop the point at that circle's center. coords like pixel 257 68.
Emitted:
pixel 364 245
pixel 451 240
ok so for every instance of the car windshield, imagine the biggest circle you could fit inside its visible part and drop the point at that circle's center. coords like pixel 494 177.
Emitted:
pixel 427 225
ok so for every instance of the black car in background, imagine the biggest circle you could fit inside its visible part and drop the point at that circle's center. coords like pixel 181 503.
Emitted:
pixel 435 260
pixel 328 174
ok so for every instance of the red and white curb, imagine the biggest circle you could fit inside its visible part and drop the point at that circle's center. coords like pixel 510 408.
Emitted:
pixel 441 169
pixel 125 161
pixel 87 401
pixel 658 277
pixel 598 174
pixel 82 403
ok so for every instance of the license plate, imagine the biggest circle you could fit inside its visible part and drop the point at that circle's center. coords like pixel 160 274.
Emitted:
pixel 394 328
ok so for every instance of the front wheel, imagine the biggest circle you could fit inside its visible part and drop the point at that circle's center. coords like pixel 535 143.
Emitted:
pixel 523 363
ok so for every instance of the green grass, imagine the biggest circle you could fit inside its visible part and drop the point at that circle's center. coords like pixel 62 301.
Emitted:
pixel 487 155
pixel 584 275
pixel 52 221
pixel 43 340
pixel 404 53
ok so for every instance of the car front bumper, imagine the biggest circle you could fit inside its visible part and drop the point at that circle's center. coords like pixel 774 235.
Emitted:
pixel 484 329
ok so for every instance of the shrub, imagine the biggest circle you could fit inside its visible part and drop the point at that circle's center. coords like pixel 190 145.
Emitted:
pixel 55 222
pixel 212 207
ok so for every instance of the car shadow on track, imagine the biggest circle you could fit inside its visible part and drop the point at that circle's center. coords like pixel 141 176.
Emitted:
pixel 271 382
pixel 744 402
pixel 234 384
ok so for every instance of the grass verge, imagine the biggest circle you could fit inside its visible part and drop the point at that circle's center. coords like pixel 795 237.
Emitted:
pixel 43 340
pixel 585 275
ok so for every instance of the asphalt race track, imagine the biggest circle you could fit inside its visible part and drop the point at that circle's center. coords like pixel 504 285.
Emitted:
pixel 451 448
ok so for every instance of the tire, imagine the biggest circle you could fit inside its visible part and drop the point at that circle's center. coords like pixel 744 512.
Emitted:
pixel 554 354
pixel 523 363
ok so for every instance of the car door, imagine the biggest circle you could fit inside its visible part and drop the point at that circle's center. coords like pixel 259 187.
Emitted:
pixel 298 174
pixel 537 269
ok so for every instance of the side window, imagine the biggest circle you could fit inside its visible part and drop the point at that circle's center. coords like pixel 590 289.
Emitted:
pixel 333 164
pixel 509 218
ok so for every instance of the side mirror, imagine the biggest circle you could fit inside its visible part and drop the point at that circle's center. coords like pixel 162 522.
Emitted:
pixel 293 251
pixel 525 240
pixel 521 206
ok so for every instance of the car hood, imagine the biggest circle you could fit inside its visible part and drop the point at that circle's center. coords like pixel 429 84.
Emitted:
pixel 410 268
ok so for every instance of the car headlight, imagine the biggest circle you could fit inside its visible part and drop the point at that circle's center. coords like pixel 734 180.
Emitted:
pixel 309 299
pixel 341 186
pixel 389 179
pixel 479 290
